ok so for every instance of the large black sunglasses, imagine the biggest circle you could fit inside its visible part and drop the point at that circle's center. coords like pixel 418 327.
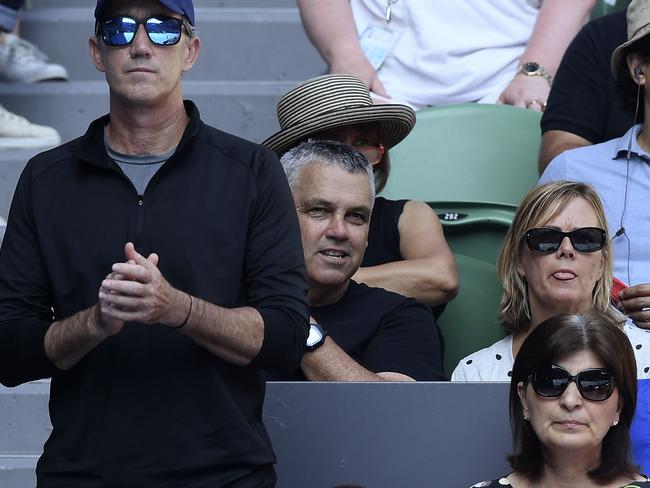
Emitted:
pixel 121 30
pixel 596 384
pixel 584 239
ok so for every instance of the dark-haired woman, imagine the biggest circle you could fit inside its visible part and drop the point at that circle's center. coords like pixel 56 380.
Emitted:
pixel 572 399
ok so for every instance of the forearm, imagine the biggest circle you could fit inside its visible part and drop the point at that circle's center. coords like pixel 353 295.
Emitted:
pixel 425 279
pixel 70 340
pixel 330 27
pixel 330 363
pixel 234 335
pixel 557 24
pixel 555 142
pixel 272 335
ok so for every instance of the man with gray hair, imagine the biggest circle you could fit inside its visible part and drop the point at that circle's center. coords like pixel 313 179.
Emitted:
pixel 357 333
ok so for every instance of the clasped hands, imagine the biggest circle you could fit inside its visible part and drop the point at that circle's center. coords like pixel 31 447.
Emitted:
pixel 136 291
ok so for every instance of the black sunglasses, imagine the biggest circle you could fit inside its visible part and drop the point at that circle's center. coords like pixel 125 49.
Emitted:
pixel 596 384
pixel 584 239
pixel 121 30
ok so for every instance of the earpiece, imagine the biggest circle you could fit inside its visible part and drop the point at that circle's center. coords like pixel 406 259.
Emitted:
pixel 638 72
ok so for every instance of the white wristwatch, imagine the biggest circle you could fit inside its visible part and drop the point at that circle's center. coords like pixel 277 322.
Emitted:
pixel 316 338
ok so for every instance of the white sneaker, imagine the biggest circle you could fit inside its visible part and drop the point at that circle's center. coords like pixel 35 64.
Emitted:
pixel 17 131
pixel 21 61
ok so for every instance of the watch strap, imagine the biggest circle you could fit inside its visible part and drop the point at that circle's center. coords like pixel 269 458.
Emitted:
pixel 531 68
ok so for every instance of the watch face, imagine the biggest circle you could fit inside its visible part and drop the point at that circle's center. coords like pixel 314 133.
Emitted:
pixel 315 335
pixel 531 67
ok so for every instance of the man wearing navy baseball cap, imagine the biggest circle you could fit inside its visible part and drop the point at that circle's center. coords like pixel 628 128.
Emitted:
pixel 152 268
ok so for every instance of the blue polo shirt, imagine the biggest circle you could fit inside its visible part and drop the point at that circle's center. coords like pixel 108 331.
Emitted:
pixel 604 167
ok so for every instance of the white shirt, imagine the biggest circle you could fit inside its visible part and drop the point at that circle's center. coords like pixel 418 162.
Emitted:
pixel 450 51
pixel 495 363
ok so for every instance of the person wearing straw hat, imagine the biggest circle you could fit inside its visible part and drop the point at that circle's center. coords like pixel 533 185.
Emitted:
pixel 407 252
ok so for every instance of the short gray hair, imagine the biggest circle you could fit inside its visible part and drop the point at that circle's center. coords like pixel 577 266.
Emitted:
pixel 328 153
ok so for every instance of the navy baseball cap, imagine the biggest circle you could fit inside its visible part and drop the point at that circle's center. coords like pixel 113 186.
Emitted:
pixel 182 7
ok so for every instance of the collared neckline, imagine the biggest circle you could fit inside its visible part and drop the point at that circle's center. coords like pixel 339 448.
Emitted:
pixel 620 148
pixel 90 147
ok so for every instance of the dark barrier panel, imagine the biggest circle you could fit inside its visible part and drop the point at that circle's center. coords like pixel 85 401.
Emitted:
pixel 392 435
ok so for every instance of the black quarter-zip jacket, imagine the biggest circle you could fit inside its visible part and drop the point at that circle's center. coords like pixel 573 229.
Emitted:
pixel 149 407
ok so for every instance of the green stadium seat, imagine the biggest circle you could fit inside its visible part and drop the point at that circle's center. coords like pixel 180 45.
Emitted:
pixel 473 163
pixel 604 7
pixel 470 321
pixel 475 229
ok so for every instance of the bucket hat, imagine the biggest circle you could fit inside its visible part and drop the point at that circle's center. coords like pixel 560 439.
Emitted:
pixel 332 101
pixel 638 26
pixel 182 7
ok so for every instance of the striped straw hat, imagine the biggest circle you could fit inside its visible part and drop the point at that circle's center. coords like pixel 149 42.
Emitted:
pixel 332 101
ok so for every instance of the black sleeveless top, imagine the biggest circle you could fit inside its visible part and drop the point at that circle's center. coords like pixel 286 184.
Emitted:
pixel 383 237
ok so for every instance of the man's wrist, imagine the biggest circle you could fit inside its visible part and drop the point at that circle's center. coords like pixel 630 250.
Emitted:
pixel 187 315
pixel 175 309
pixel 94 322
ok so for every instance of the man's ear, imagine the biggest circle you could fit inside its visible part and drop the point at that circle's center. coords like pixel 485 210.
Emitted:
pixel 193 49
pixel 96 54
pixel 635 66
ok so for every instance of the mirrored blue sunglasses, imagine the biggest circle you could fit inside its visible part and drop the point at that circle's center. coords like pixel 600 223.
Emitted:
pixel 121 30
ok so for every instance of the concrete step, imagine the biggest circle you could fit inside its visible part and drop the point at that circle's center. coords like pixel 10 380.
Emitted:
pixel 238 43
pixel 23 431
pixel 246 109
pixel 26 425
pixel 18 472
pixel 12 162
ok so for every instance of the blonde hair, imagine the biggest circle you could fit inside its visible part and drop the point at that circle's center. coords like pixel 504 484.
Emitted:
pixel 539 206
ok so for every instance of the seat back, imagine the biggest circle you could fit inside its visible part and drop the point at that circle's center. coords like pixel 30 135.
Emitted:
pixel 604 7
pixel 467 153
pixel 473 163
pixel 470 321
pixel 475 229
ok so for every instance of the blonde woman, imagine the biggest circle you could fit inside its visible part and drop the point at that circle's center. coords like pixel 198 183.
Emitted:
pixel 556 258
